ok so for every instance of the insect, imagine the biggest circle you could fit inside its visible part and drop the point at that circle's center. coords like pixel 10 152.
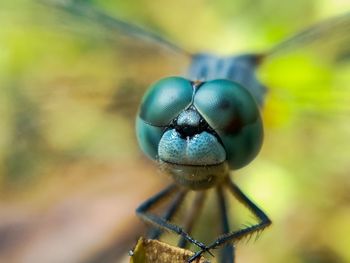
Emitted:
pixel 198 132
pixel 212 122
pixel 199 129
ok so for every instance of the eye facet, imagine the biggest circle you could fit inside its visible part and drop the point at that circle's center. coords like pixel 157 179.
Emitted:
pixel 165 100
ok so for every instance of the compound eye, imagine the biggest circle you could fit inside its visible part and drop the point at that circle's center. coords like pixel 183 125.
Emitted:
pixel 165 100
pixel 233 113
pixel 226 105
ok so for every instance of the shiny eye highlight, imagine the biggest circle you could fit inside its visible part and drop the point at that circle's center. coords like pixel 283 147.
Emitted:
pixel 225 105
pixel 165 100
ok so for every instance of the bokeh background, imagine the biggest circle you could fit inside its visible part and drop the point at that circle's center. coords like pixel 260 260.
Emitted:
pixel 71 173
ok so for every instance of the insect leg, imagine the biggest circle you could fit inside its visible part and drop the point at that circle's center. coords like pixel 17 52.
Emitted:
pixel 193 215
pixel 264 222
pixel 142 212
pixel 228 252
pixel 155 232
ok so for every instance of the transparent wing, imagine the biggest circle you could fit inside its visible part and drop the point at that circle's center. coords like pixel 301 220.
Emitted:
pixel 307 112
pixel 306 149
pixel 87 11
pixel 142 55
pixel 71 80
pixel 309 72
pixel 331 37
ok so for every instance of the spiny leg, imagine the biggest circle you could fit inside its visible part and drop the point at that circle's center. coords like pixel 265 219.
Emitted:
pixel 155 232
pixel 193 215
pixel 228 251
pixel 264 221
pixel 142 212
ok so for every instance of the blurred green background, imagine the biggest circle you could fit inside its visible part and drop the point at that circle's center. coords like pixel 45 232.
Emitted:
pixel 71 173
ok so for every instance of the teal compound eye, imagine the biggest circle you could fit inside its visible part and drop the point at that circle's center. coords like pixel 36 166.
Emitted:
pixel 233 113
pixel 163 101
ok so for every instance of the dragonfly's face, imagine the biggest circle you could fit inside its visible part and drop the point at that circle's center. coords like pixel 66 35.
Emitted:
pixel 198 131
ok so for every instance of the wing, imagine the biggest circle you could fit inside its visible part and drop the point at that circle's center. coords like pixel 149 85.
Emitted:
pixel 307 110
pixel 142 56
pixel 308 74
pixel 331 37
pixel 305 157
pixel 71 78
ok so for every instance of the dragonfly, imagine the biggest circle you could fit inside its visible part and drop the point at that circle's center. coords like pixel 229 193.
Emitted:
pixel 204 121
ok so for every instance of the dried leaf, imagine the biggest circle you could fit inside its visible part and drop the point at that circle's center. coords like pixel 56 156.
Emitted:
pixel 150 250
